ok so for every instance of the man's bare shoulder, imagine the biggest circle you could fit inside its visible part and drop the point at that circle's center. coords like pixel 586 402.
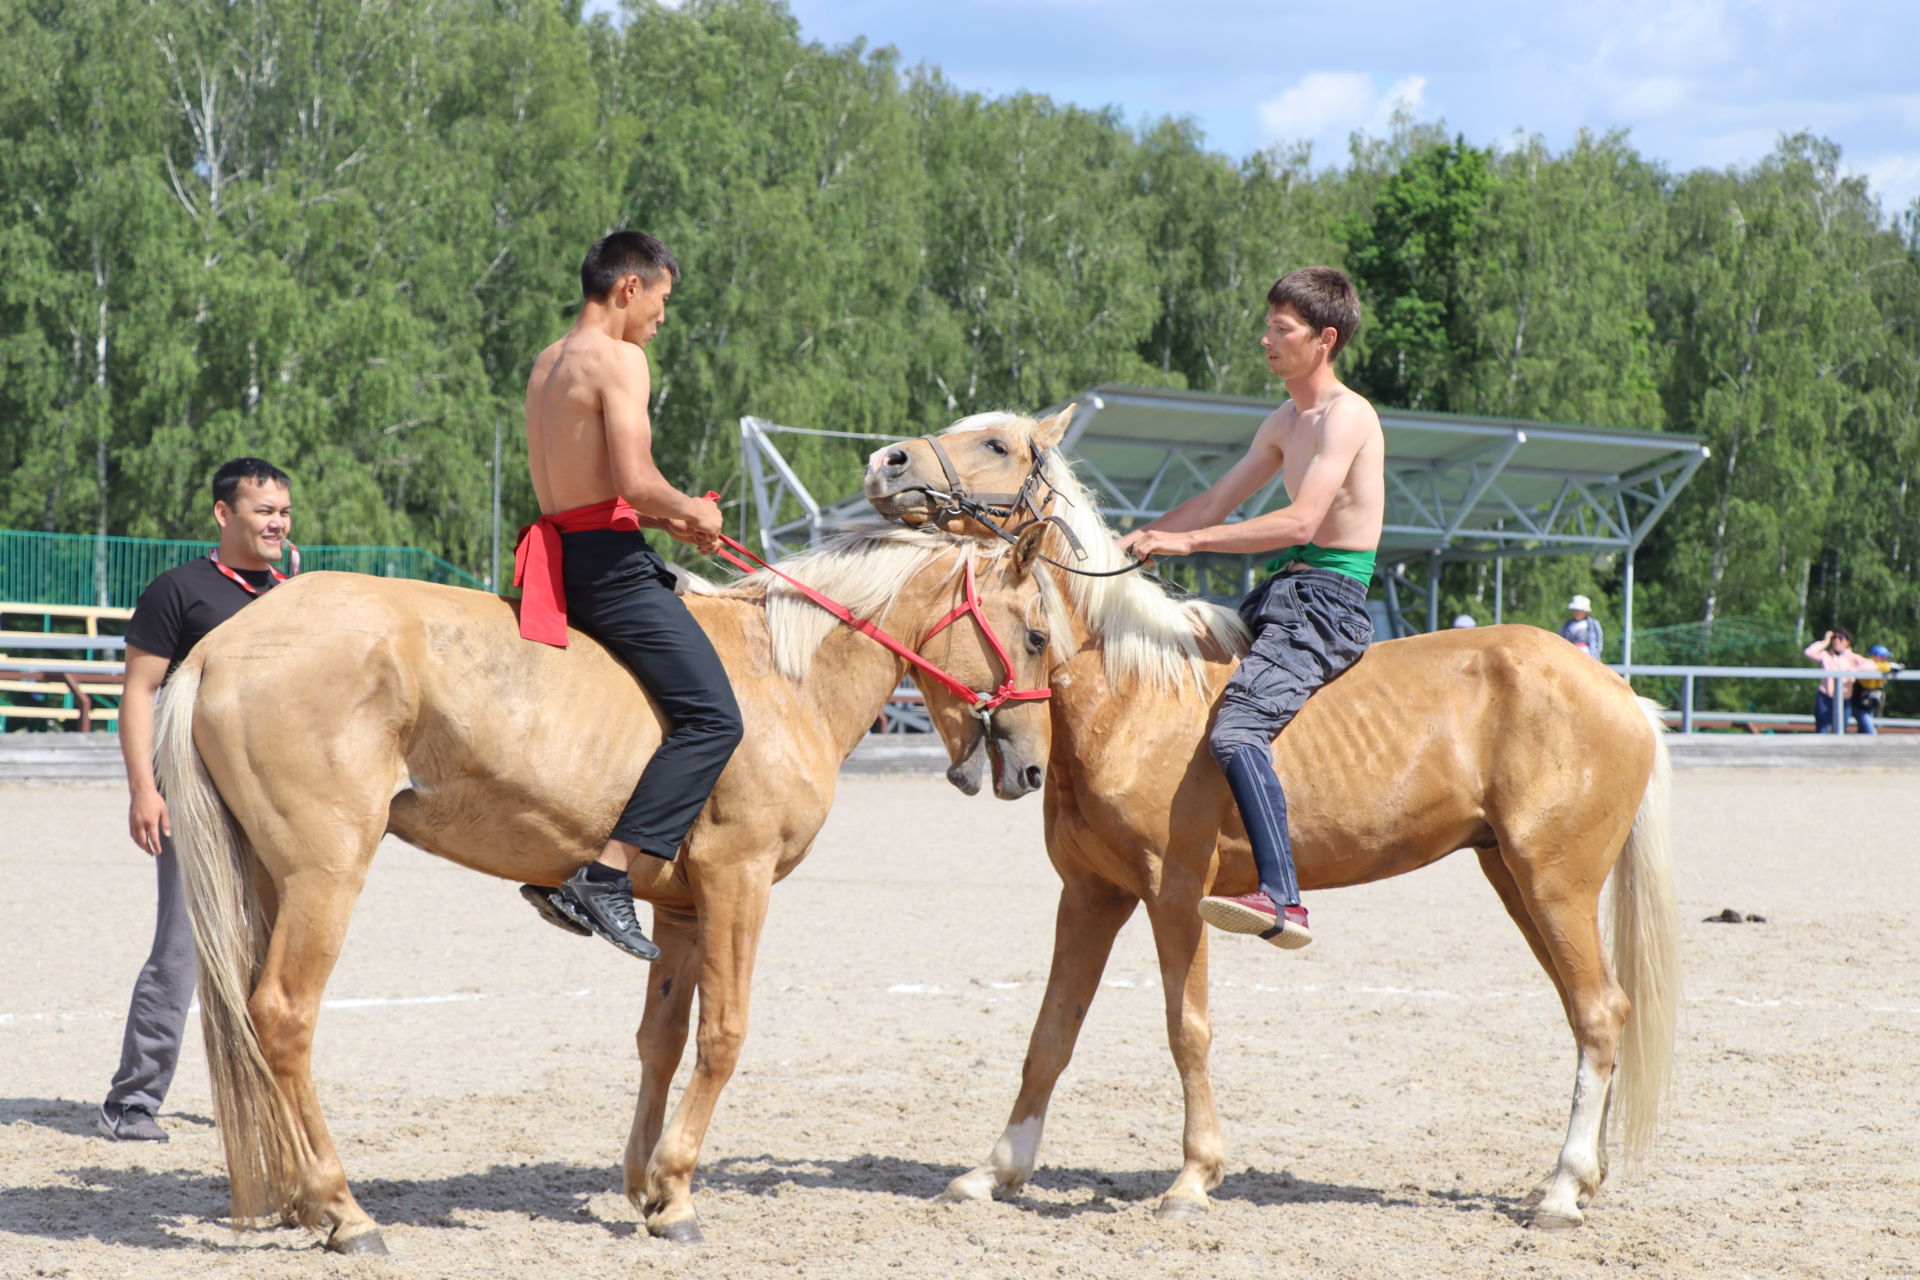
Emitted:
pixel 1273 429
pixel 1351 423
pixel 1352 409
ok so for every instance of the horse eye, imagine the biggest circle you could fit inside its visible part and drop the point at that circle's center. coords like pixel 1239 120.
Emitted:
pixel 1036 641
pixel 997 447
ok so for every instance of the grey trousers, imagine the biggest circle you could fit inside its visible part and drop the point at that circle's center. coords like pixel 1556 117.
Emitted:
pixel 157 1015
pixel 1309 625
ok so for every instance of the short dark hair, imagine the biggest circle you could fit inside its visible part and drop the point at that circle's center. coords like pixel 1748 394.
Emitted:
pixel 1841 633
pixel 624 253
pixel 227 479
pixel 1325 299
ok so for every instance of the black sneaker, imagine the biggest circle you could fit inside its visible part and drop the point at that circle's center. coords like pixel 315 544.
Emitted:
pixel 607 909
pixel 129 1124
pixel 542 899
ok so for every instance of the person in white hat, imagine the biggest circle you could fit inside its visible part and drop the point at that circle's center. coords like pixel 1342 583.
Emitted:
pixel 1464 620
pixel 1582 630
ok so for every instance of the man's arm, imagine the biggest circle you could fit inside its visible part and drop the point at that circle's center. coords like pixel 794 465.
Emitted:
pixel 1341 439
pixel 630 453
pixel 1223 497
pixel 147 816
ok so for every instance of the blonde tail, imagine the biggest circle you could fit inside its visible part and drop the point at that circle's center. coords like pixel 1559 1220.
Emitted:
pixel 230 936
pixel 1645 953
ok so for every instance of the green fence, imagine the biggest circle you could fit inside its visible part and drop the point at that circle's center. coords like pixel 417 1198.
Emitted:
pixel 79 569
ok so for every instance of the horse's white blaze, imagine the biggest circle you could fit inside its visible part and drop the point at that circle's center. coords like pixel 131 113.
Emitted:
pixel 1579 1171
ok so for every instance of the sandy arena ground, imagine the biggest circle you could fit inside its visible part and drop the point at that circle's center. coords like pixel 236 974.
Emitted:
pixel 1388 1095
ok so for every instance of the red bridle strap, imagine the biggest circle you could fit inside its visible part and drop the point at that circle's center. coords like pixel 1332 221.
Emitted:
pixel 977 701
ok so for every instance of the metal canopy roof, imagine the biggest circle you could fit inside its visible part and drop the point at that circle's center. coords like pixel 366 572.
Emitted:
pixel 1460 486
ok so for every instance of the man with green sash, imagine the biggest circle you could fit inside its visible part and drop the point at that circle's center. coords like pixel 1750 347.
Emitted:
pixel 1310 619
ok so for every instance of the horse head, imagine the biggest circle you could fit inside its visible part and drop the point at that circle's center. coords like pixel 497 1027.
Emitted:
pixel 990 460
pixel 999 643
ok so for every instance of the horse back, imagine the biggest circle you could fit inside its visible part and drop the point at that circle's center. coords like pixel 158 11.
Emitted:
pixel 422 701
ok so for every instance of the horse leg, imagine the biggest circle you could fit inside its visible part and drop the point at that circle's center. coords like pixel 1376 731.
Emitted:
pixel 314 906
pixel 1090 915
pixel 1180 938
pixel 661 1039
pixel 731 909
pixel 1563 929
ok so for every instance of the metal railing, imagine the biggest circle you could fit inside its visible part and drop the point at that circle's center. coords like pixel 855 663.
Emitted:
pixel 1690 676
pixel 86 569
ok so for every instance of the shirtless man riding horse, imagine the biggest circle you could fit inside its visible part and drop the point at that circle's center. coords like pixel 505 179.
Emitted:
pixel 1310 619
pixel 586 561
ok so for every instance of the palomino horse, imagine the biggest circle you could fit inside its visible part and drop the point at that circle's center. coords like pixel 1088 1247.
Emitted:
pixel 417 709
pixel 1503 740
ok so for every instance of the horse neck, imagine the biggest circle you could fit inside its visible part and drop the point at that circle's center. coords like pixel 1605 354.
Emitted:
pixel 849 682
pixel 1083 704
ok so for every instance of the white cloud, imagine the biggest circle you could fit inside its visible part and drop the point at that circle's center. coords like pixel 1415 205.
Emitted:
pixel 1327 107
pixel 1894 178
pixel 1650 96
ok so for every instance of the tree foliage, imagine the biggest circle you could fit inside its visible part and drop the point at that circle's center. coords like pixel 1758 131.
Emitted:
pixel 335 232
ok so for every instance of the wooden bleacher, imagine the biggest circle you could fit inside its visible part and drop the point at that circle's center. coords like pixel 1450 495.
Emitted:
pixel 54 671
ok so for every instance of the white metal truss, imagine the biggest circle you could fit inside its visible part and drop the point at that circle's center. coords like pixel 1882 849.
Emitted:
pixel 1458 488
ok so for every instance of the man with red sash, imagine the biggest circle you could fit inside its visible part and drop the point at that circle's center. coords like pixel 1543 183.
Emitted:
pixel 253 505
pixel 586 563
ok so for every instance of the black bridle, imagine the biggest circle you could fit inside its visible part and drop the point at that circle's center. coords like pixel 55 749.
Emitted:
pixel 989 509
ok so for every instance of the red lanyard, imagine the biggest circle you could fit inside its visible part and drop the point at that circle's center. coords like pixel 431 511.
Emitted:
pixel 248 587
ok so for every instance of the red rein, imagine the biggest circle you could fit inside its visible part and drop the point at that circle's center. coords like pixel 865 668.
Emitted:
pixel 980 702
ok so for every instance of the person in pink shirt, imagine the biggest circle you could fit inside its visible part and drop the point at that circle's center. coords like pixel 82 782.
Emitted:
pixel 1834 651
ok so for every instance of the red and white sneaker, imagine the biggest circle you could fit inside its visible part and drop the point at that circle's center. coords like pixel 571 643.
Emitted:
pixel 1255 913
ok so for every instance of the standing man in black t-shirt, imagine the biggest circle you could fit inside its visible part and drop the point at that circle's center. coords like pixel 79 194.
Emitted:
pixel 253 505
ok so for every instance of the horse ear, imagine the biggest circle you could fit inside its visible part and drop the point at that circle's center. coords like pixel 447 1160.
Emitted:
pixel 1028 544
pixel 1048 432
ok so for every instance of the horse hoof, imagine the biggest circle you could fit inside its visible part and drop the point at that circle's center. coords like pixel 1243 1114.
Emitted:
pixel 367 1243
pixel 1546 1220
pixel 1172 1210
pixel 980 1184
pixel 685 1231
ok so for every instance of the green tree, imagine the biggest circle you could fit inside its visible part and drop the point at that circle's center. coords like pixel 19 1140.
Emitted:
pixel 1410 262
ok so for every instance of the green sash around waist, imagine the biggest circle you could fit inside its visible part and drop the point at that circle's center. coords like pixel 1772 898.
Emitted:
pixel 1357 565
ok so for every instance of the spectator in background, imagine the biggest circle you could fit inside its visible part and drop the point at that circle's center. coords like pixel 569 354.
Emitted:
pixel 1870 696
pixel 1464 620
pixel 1834 652
pixel 1582 630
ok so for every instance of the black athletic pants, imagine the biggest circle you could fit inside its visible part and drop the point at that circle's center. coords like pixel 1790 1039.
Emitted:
pixel 621 593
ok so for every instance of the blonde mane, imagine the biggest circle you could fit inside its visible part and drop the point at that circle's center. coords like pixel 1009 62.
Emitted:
pixel 864 569
pixel 1144 632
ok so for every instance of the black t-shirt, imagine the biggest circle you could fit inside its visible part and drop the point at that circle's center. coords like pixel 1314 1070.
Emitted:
pixel 180 606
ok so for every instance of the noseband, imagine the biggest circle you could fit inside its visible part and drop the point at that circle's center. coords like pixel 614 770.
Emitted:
pixel 989 509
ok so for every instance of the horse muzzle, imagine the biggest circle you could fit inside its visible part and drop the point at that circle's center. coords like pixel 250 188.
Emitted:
pixel 896 489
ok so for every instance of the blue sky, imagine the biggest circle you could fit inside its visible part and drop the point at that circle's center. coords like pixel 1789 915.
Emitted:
pixel 1697 82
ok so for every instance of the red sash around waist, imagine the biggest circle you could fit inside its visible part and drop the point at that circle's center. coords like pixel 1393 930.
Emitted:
pixel 536 565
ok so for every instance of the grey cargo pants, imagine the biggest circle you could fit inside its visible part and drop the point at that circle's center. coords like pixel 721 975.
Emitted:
pixel 157 1014
pixel 1309 625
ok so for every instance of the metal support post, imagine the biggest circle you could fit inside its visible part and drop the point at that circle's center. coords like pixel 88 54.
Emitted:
pixel 1433 591
pixel 1626 622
